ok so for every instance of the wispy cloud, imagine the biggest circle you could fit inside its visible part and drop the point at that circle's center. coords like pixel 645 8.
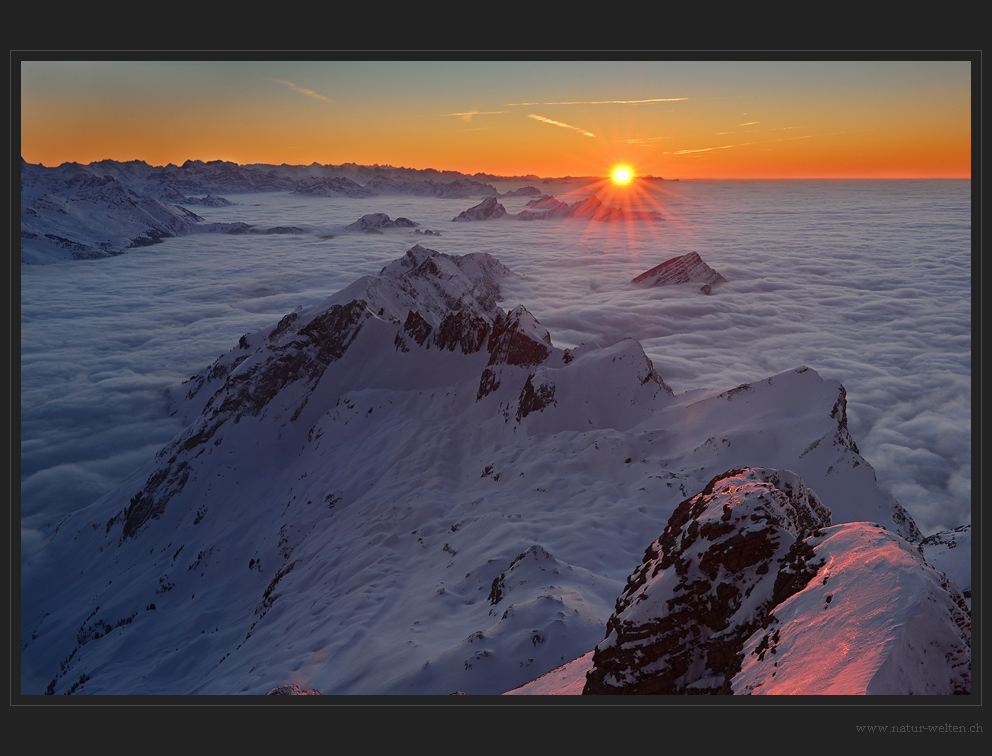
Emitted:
pixel 467 116
pixel 749 123
pixel 742 144
pixel 644 141
pixel 302 90
pixel 705 149
pixel 604 102
pixel 559 123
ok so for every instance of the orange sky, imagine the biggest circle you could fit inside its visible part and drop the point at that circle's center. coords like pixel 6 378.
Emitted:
pixel 791 119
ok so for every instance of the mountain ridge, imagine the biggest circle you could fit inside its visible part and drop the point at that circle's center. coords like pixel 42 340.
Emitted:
pixel 75 211
pixel 405 488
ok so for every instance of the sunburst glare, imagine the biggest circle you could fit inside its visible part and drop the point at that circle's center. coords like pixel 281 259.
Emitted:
pixel 622 175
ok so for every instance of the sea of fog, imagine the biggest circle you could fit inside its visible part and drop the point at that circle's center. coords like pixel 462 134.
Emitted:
pixel 867 282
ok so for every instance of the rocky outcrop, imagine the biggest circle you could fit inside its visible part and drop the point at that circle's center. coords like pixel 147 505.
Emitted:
pixel 550 208
pixel 292 690
pixel 688 268
pixel 950 552
pixel 733 598
pixel 488 209
pixel 547 208
pixel 707 584
pixel 376 222
pixel 517 340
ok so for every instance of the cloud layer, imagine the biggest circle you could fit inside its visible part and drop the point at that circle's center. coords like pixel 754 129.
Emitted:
pixel 866 282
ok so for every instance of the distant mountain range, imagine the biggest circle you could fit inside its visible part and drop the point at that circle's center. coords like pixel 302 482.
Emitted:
pixel 82 212
pixel 76 211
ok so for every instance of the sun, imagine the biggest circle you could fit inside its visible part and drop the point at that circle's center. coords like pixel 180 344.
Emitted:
pixel 621 174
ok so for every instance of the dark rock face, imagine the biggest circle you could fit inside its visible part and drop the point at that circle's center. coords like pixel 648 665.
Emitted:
pixel 525 567
pixel 318 343
pixel 418 328
pixel 516 340
pixel 688 268
pixel 510 344
pixel 292 690
pixel 150 502
pixel 463 330
pixel 728 556
pixel 322 340
pixel 534 399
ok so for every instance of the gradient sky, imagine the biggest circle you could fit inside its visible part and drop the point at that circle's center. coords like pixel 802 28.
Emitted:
pixel 727 119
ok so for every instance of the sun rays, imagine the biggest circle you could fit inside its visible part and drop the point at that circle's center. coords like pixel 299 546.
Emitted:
pixel 622 175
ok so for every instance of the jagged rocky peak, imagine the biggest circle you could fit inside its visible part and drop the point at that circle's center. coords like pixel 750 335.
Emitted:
pixel 432 299
pixel 688 268
pixel 425 291
pixel 518 339
pixel 750 589
pixel 702 589
pixel 488 209
pixel 438 285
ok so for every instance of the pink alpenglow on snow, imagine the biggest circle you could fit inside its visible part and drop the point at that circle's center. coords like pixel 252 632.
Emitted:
pixel 751 591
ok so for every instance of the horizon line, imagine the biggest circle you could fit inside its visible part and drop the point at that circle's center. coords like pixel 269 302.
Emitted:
pixel 510 176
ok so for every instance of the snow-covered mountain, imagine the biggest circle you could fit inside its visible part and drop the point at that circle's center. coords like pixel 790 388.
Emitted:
pixel 406 489
pixel 750 590
pixel 76 211
pixel 460 188
pixel 85 216
pixel 332 187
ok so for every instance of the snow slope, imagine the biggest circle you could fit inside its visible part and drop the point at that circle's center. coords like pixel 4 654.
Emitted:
pixel 87 217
